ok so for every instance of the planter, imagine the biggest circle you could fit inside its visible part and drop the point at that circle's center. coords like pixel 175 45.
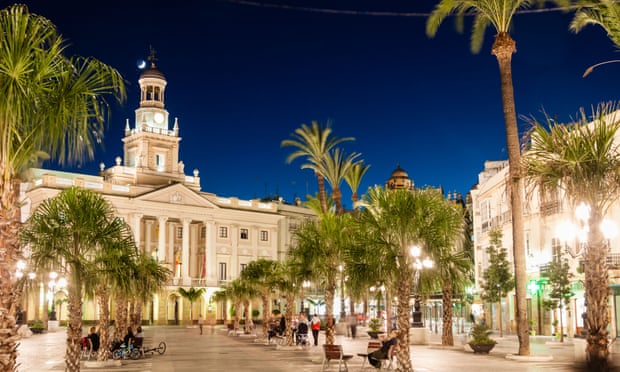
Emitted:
pixel 375 334
pixel 37 330
pixel 481 348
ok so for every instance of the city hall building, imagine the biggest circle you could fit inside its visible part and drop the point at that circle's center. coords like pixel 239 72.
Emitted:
pixel 204 239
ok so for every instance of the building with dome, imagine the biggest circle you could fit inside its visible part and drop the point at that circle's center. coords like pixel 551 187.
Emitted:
pixel 399 179
pixel 205 240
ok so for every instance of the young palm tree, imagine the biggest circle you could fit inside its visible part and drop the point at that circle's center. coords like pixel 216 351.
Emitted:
pixel 261 274
pixel 582 160
pixel 354 178
pixel 50 105
pixel 68 233
pixel 191 295
pixel 498 14
pixel 393 221
pixel 314 143
pixel 150 278
pixel 320 249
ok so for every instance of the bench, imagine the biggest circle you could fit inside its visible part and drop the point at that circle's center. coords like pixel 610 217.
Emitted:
pixel 334 352
pixel 372 346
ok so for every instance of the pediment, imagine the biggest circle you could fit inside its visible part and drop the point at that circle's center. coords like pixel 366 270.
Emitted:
pixel 177 194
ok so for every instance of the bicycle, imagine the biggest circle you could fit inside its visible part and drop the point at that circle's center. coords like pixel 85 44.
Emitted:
pixel 161 349
pixel 125 352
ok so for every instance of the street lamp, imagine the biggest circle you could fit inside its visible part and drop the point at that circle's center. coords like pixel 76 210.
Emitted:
pixel 342 312
pixel 53 284
pixel 418 265
pixel 567 231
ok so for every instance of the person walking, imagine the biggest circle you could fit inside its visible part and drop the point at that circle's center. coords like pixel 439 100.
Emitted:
pixel 201 322
pixel 315 325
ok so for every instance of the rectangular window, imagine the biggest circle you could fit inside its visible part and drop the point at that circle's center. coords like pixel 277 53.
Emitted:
pixel 264 236
pixel 243 266
pixel 243 234
pixel 222 270
pixel 180 232
pixel 203 232
pixel 160 162
pixel 223 232
pixel 556 249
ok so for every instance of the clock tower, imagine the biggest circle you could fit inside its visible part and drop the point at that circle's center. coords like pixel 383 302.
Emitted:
pixel 151 149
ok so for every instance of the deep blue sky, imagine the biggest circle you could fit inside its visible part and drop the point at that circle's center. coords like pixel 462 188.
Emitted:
pixel 242 78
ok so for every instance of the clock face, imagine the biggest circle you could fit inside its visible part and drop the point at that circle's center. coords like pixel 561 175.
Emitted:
pixel 159 118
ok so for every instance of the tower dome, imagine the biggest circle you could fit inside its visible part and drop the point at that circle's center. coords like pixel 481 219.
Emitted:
pixel 399 180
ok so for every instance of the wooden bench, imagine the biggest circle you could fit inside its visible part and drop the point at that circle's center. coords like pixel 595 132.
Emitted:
pixel 334 352
pixel 372 346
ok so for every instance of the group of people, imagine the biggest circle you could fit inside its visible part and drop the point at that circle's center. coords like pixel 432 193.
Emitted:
pixel 95 342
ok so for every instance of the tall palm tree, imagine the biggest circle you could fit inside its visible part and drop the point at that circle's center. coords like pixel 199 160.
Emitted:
pixel 289 278
pixel 498 14
pixel 604 13
pixel 334 167
pixel 68 233
pixel 192 294
pixel 582 160
pixel 320 248
pixel 354 178
pixel 261 274
pixel 314 143
pixel 50 105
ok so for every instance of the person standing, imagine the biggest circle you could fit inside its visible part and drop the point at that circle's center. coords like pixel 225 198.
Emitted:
pixel 315 325
pixel 201 322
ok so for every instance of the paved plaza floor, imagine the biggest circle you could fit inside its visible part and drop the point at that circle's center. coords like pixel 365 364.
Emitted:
pixel 188 351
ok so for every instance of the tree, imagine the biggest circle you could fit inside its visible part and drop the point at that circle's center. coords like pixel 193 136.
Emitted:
pixel 581 160
pixel 50 106
pixel 498 14
pixel 320 249
pixel 262 274
pixel 192 294
pixel 559 282
pixel 497 278
pixel 334 167
pixel 391 223
pixel 603 13
pixel 354 178
pixel 314 143
pixel 69 233
pixel 150 277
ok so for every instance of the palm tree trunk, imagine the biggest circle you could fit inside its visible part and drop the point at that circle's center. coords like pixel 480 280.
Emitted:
pixel 447 338
pixel 138 312
pixel 404 291
pixel 266 312
pixel 120 321
pixel 74 326
pixel 503 48
pixel 322 193
pixel 337 196
pixel 103 298
pixel 288 315
pixel 597 293
pixel 9 293
pixel 330 325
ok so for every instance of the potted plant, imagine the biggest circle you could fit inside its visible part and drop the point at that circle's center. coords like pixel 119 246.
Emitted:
pixel 374 328
pixel 480 341
pixel 37 326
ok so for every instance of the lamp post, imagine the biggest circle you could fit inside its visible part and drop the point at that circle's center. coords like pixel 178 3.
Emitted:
pixel 342 311
pixel 53 285
pixel 418 265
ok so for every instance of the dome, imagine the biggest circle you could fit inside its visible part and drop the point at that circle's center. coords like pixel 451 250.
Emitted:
pixel 399 173
pixel 152 72
pixel 399 180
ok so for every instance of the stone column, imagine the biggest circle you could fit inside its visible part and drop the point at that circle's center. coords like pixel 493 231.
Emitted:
pixel 161 243
pixel 234 259
pixel 148 236
pixel 137 218
pixel 210 252
pixel 185 252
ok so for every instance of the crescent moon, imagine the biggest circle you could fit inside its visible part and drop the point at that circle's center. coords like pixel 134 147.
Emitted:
pixel 141 64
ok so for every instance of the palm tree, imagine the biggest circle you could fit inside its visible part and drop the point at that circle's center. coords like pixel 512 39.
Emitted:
pixel 604 13
pixel 582 160
pixel 498 14
pixel 50 105
pixel 288 281
pixel 150 278
pixel 69 233
pixel 354 178
pixel 334 167
pixel 191 295
pixel 320 249
pixel 392 222
pixel 261 274
pixel 314 143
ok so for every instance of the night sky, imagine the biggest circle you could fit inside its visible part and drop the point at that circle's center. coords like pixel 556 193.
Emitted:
pixel 241 78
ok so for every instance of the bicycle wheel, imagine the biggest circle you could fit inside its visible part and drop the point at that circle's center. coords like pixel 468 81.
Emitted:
pixel 161 349
pixel 135 354
pixel 117 354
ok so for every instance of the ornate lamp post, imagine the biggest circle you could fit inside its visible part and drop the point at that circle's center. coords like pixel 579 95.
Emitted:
pixel 418 265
